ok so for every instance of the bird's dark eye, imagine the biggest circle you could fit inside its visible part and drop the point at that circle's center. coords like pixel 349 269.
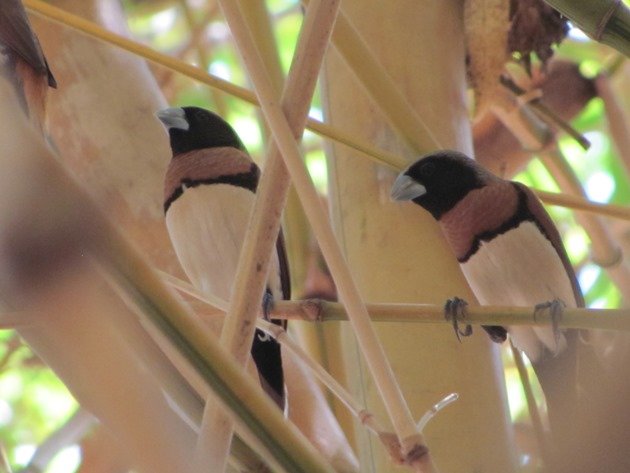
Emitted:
pixel 427 169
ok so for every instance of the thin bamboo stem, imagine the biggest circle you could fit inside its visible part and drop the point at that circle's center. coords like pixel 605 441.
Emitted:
pixel 317 310
pixel 411 441
pixel 355 407
pixel 91 29
pixel 367 418
pixel 386 158
pixel 527 127
pixel 275 440
pixel 252 269
pixel 546 113
pixel 578 203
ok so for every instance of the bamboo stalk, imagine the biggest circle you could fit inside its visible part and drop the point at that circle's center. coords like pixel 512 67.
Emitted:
pixel 357 409
pixel 381 87
pixel 252 269
pixel 387 158
pixel 275 439
pixel 307 405
pixel 396 253
pixel 411 441
pixel 606 21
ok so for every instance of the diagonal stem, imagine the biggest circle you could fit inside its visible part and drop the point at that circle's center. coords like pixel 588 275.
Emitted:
pixel 252 270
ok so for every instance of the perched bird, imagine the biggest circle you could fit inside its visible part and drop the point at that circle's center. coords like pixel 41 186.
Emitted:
pixel 510 253
pixel 22 61
pixel 208 195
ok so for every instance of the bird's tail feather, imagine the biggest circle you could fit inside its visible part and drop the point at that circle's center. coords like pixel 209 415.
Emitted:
pixel 267 355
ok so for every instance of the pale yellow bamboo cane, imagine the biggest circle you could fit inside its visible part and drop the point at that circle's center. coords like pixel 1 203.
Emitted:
pixel 381 87
pixel 308 408
pixel 264 225
pixel 411 441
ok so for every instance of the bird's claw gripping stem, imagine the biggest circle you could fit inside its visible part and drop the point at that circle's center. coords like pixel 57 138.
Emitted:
pixel 454 312
pixel 556 309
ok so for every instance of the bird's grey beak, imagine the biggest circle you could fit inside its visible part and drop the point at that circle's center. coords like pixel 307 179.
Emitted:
pixel 174 117
pixel 405 188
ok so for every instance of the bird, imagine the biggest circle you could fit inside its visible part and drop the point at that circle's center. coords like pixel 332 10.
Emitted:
pixel 22 61
pixel 209 192
pixel 510 253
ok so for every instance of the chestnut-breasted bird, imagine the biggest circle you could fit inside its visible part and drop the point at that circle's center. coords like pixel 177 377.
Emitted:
pixel 23 61
pixel 510 253
pixel 208 195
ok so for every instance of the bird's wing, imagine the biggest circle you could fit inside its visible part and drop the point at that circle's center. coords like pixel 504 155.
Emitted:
pixel 283 261
pixel 16 35
pixel 547 226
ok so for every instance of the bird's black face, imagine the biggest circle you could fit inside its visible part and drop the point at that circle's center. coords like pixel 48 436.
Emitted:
pixel 437 182
pixel 193 128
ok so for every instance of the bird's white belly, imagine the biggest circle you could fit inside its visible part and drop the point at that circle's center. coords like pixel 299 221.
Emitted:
pixel 207 225
pixel 520 268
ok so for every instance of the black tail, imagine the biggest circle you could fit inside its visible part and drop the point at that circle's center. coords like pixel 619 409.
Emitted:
pixel 267 356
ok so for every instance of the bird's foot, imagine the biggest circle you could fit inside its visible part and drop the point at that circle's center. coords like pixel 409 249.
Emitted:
pixel 555 308
pixel 454 312
pixel 267 305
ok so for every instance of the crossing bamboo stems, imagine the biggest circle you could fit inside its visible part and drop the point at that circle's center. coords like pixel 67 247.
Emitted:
pixel 411 441
pixel 252 269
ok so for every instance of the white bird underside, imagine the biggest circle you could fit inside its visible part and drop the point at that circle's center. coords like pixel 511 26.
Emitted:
pixel 532 278
pixel 207 225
